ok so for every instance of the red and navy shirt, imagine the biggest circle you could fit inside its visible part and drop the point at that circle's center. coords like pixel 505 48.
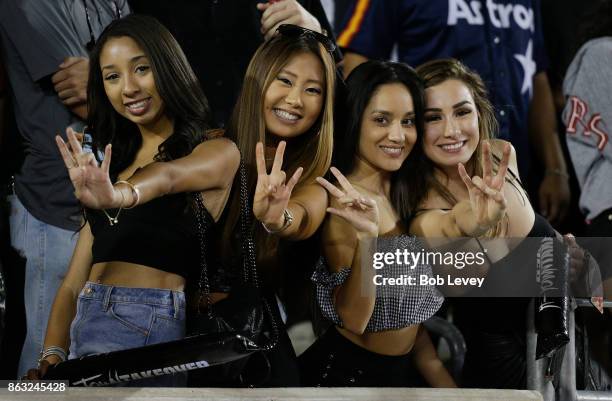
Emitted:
pixel 500 39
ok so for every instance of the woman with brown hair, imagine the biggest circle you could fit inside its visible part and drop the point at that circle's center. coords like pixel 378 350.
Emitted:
pixel 459 129
pixel 283 126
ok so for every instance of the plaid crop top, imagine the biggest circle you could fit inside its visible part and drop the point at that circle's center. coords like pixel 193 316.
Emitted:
pixel 396 306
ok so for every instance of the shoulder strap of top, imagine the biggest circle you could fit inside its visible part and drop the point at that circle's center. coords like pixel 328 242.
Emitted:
pixel 522 191
pixel 512 173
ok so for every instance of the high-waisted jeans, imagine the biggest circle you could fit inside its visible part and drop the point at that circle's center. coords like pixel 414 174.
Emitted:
pixel 110 318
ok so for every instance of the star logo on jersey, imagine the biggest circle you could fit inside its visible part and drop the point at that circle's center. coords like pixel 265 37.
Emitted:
pixel 529 68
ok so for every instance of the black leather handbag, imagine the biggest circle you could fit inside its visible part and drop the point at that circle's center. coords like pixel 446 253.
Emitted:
pixel 246 311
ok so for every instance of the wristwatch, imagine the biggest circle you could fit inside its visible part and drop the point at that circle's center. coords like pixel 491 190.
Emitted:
pixel 288 220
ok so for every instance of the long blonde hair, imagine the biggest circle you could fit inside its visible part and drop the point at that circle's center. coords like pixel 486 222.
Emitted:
pixel 312 150
pixel 247 125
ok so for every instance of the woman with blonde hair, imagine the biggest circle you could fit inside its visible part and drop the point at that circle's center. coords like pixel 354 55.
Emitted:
pixel 285 113
pixel 282 124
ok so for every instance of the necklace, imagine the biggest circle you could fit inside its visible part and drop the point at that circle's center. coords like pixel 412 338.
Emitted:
pixel 115 220
pixel 112 220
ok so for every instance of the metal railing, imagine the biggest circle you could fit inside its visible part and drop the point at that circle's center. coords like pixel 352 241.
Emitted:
pixel 537 377
pixel 276 394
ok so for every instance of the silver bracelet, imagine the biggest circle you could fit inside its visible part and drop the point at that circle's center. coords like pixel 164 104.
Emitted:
pixel 288 220
pixel 53 350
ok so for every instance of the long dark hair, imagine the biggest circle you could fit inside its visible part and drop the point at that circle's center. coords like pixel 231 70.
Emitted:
pixel 408 185
pixel 176 83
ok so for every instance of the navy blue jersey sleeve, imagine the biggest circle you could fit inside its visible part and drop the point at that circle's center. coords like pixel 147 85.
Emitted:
pixel 539 53
pixel 370 28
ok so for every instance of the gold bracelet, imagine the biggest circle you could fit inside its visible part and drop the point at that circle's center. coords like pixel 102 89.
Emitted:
pixel 135 193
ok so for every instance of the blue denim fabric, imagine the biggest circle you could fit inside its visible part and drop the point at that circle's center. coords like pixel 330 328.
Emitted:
pixel 112 318
pixel 47 250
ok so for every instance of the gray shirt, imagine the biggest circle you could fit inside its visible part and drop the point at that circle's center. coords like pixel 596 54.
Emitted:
pixel 36 36
pixel 588 118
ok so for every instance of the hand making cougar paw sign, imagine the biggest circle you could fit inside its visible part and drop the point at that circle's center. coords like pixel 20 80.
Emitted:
pixel 92 184
pixel 361 212
pixel 486 196
pixel 272 192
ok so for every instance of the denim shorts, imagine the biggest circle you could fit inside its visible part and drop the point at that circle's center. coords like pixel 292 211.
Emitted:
pixel 110 318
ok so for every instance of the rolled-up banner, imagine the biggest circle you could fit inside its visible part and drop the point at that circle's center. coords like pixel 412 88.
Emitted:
pixel 552 307
pixel 190 353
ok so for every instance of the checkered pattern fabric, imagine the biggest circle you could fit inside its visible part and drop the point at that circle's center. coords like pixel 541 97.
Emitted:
pixel 396 306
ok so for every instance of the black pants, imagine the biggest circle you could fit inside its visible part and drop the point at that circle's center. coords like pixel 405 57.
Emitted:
pixel 334 361
pixel 494 330
pixel 601 226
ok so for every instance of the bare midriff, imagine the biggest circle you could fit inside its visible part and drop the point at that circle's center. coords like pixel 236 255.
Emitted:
pixel 388 342
pixel 123 274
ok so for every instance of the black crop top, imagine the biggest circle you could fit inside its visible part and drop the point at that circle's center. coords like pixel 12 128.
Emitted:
pixel 161 233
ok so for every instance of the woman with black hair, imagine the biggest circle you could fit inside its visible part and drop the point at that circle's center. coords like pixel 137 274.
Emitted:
pixel 376 327
pixel 139 244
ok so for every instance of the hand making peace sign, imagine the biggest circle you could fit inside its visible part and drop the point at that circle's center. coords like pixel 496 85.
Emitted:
pixel 359 211
pixel 272 193
pixel 92 184
pixel 486 196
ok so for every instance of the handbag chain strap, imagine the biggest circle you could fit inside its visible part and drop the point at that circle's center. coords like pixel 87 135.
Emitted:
pixel 249 267
pixel 249 264
pixel 203 284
